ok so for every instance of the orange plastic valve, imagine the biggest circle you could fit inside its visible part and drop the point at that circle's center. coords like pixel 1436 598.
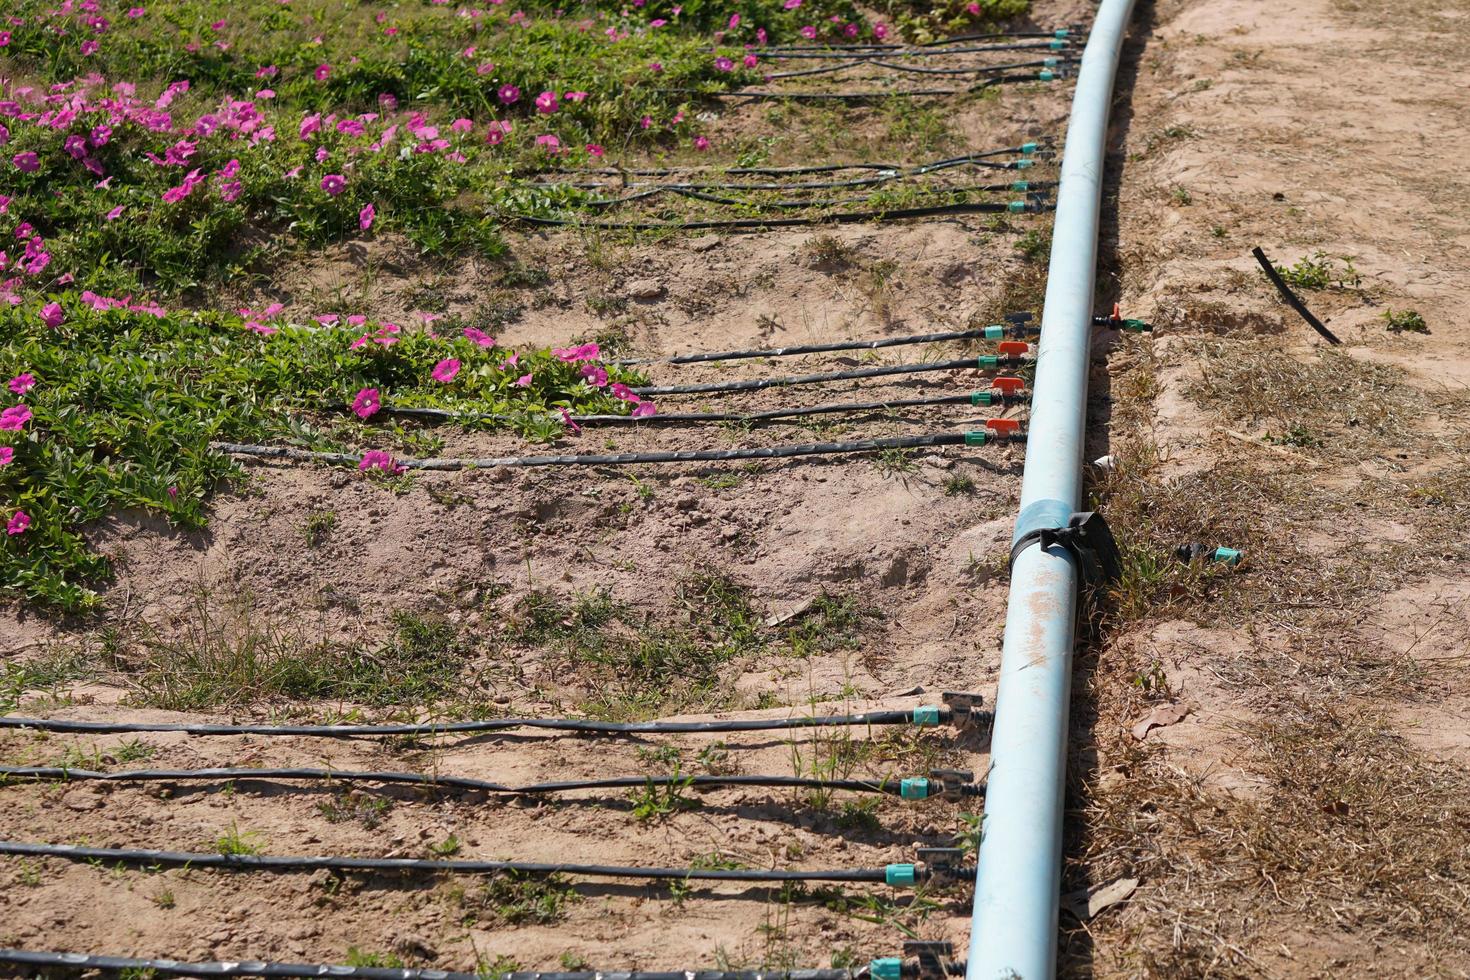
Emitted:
pixel 1008 386
pixel 1003 427
pixel 1014 348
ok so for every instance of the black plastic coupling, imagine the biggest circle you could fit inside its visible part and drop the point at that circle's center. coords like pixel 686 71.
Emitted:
pixel 965 711
pixel 926 959
pixel 954 784
pixel 1089 540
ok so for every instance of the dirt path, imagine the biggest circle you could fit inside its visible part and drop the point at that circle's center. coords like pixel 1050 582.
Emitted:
pixel 1307 818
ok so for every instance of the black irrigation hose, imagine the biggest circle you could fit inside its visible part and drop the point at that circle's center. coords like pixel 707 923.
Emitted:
pixel 822 168
pixel 917 70
pixel 834 408
pixel 802 203
pixel 927 52
pixel 839 218
pixel 1291 298
pixel 615 459
pixel 757 384
pixel 857 96
pixel 334 862
pixel 939 42
pixel 46 960
pixel 917 338
pixel 890 787
pixel 582 726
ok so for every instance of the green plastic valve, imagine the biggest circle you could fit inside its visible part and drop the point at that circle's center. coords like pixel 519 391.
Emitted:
pixel 927 714
pixel 1016 207
pixel 1057 45
pixel 1227 555
pixel 988 361
pixel 1021 185
pixel 976 438
pixel 1028 147
pixel 1137 326
pixel 901 875
pixel 886 968
pixel 983 398
pixel 914 789
pixel 1061 32
pixel 1025 164
pixel 995 332
pixel 1046 76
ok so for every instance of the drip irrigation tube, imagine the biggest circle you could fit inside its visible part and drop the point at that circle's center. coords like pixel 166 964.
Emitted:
pixel 994 332
pixel 1055 44
pixel 863 96
pixel 46 960
pixel 989 362
pixel 924 716
pixel 623 459
pixel 335 862
pixel 1023 186
pixel 839 218
pixel 917 70
pixel 886 176
pixel 917 788
pixel 1013 931
pixel 978 398
pixel 809 168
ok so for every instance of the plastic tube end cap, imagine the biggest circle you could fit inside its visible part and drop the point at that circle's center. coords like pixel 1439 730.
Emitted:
pixel 1229 556
pixel 916 788
pixel 1016 207
pixel 1028 147
pixel 901 875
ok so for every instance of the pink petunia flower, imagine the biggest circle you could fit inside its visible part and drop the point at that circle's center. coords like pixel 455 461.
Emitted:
pixel 7 453
pixel 808 32
pixel 724 64
pixel 52 316
pixel 546 103
pixel 445 370
pixel 643 410
pixel 115 213
pixel 572 426
pixel 27 162
pixel 321 73
pixel 596 376
pixel 524 381
pixel 334 184
pixel 14 418
pixel 701 143
pixel 22 383
pixel 479 337
pixel 750 61
pixel 365 217
pixel 594 149
pixel 367 403
pixel 508 94
pixel 622 391
pixel 18 523
pixel 377 459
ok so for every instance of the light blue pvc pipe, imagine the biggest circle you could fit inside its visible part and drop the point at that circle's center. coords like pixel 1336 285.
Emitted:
pixel 1013 934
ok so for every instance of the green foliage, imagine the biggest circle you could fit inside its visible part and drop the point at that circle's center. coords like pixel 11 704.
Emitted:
pixel 1404 321
pixel 234 842
pixel 126 405
pixel 1320 271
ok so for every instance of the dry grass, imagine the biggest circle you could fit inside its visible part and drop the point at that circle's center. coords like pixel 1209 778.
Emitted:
pixel 1354 848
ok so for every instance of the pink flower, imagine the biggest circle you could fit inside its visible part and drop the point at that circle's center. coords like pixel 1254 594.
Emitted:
pixel 52 316
pixel 973 9
pixel 549 142
pixel 480 337
pixel 582 352
pixel 18 523
pixel 22 383
pixel 321 73
pixel 367 403
pixel 524 381
pixel 445 370
pixel 334 184
pixel 596 376
pixel 14 418
pixel 365 217
pixel 508 94
pixel 880 31
pixel 791 4
pixel 734 21
pixel 27 162
pixel 750 61
pixel 724 64
pixel 509 362
pixel 575 96
pixel 645 122
pixel 90 47
pixel 566 418
pixel 377 459
pixel 7 454
pixel 656 67
pixel 643 410
pixel 135 12
pixel 462 125
pixel 594 149
pixel 546 103
pixel 620 390
pixel 701 143
pixel 808 32
pixel 115 213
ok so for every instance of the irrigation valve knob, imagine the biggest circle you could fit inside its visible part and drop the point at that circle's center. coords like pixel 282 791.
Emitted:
pixel 965 710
